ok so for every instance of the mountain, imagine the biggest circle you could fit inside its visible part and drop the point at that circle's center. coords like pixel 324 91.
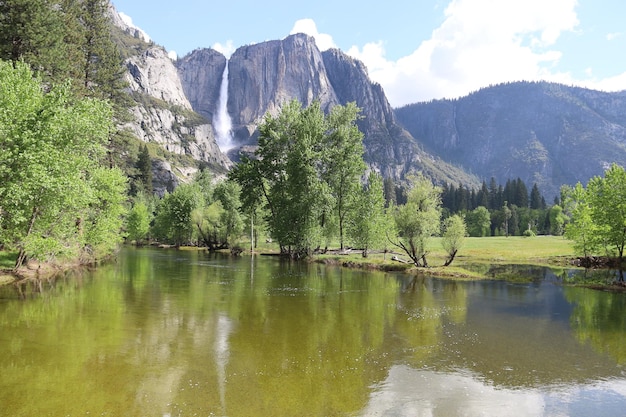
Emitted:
pixel 543 133
pixel 262 77
pixel 181 139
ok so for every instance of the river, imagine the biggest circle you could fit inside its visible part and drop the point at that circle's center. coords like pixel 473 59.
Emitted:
pixel 186 333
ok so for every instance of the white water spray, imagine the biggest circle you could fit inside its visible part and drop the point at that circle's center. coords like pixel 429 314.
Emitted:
pixel 222 124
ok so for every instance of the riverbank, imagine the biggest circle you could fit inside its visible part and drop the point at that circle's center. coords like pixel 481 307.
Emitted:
pixel 473 261
pixel 550 251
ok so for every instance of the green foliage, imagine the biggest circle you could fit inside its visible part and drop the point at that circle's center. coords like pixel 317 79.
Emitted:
pixel 418 219
pixel 306 174
pixel 478 222
pixel 55 198
pixel 173 220
pixel 144 168
pixel 557 220
pixel 33 31
pixel 598 214
pixel 343 163
pixel 138 222
pixel 369 224
pixel 200 212
pixel 227 194
pixel 104 215
pixel 607 197
pixel 453 236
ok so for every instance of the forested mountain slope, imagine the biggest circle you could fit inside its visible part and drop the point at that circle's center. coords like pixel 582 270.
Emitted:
pixel 543 133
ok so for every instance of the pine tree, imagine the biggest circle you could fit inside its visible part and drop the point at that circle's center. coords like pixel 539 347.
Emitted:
pixel 390 192
pixel 144 166
pixel 102 63
pixel 535 198
pixel 32 31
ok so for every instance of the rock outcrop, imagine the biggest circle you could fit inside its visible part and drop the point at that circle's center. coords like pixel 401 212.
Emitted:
pixel 154 74
pixel 264 76
pixel 163 115
pixel 543 133
pixel 201 73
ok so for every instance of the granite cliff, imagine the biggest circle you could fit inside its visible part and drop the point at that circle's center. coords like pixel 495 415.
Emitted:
pixel 543 133
pixel 264 76
pixel 162 114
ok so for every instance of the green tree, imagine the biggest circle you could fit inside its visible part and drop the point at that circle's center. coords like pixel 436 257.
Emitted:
pixel 144 168
pixel 478 222
pixel 557 220
pixel 343 163
pixel 33 31
pixel 369 223
pixel 418 220
pixel 390 192
pixel 138 222
pixel 453 236
pixel 104 214
pixel 536 199
pixel 295 175
pixel 51 185
pixel 173 219
pixel 227 193
pixel 102 63
pixel 581 228
pixel 507 214
pixel 607 197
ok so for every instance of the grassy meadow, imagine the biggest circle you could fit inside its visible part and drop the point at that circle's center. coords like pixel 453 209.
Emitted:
pixel 539 250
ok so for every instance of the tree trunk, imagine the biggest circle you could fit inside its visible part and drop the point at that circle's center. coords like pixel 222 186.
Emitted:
pixel 22 254
pixel 450 258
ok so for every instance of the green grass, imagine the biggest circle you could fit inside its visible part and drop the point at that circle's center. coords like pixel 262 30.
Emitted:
pixel 7 259
pixel 540 250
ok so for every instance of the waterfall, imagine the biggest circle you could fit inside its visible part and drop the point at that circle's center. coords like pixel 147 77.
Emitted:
pixel 222 124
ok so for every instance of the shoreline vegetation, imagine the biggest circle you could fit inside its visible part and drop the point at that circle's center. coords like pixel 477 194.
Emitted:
pixel 473 262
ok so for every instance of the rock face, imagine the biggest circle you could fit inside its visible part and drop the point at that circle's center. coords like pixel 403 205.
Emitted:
pixel 163 114
pixel 153 73
pixel 200 74
pixel 263 77
pixel 388 147
pixel 543 133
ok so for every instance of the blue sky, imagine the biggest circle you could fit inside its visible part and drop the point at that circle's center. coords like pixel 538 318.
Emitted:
pixel 417 50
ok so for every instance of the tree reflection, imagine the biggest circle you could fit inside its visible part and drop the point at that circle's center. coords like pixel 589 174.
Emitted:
pixel 599 318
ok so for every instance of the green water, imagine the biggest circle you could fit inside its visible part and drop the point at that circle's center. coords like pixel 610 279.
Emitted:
pixel 184 333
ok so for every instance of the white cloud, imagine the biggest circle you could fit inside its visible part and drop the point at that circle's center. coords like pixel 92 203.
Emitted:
pixel 173 55
pixel 615 83
pixel 308 27
pixel 129 22
pixel 226 49
pixel 480 42
pixel 613 36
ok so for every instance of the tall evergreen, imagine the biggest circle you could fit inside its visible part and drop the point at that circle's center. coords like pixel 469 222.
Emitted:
pixel 390 192
pixel 102 63
pixel 144 168
pixel 494 199
pixel 536 198
pixel 33 31
pixel 521 193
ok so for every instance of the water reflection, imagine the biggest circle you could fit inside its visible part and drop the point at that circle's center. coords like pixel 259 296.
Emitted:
pixel 184 333
pixel 417 392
